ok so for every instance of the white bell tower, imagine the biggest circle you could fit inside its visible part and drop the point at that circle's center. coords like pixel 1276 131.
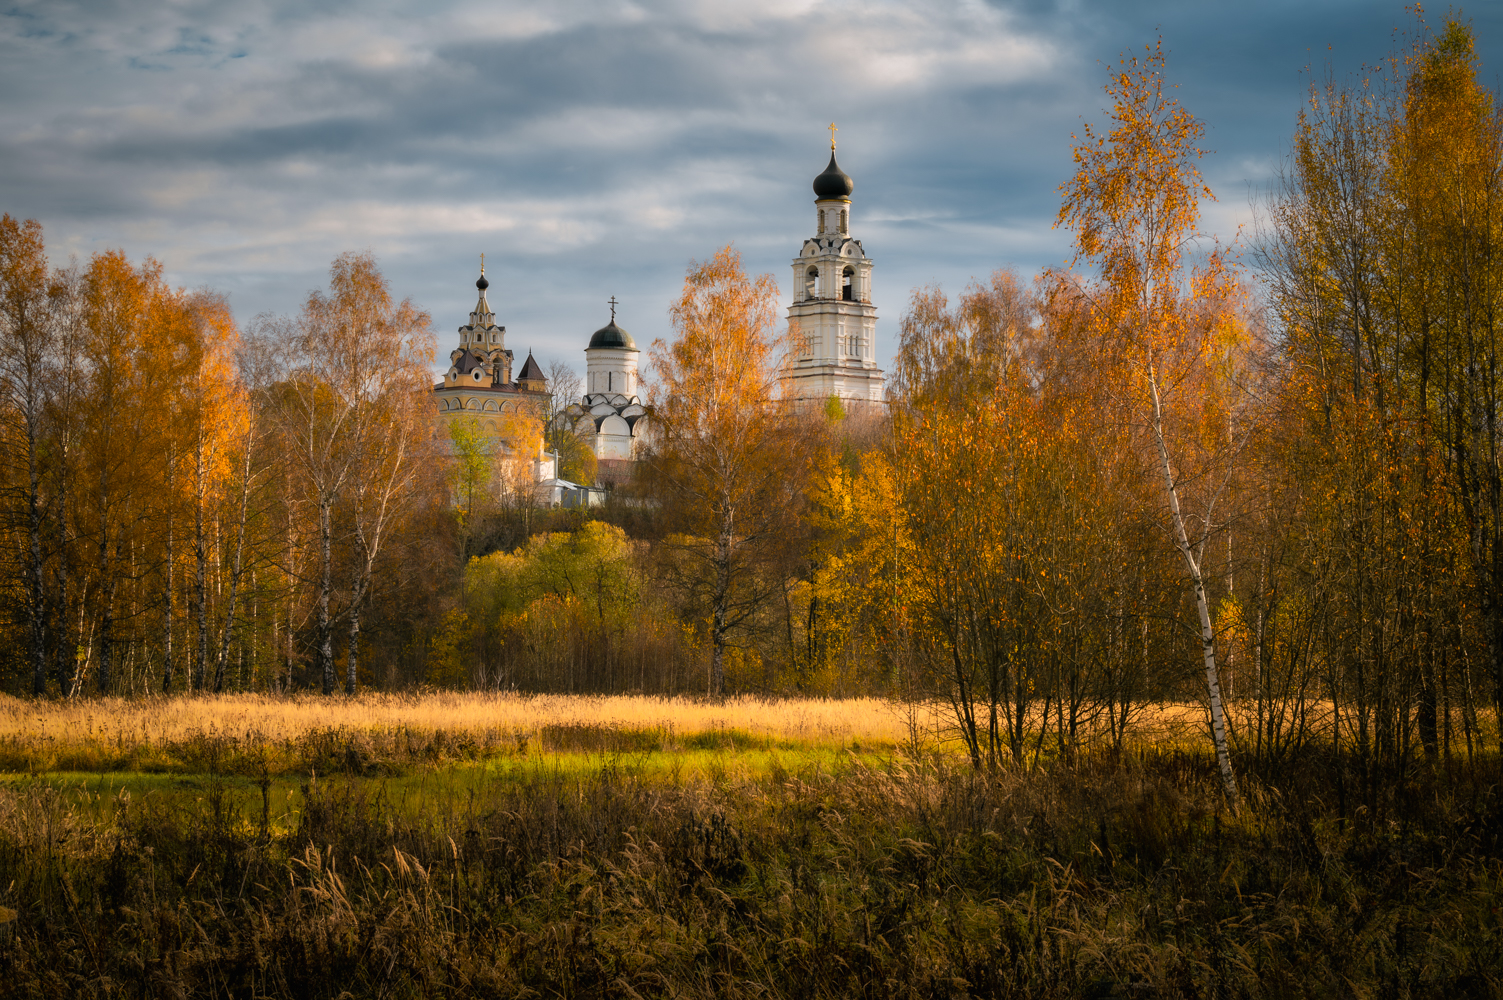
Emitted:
pixel 832 321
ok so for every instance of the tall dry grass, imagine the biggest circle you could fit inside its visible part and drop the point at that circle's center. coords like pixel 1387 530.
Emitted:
pixel 257 733
pixel 252 734
pixel 278 718
pixel 902 874
pixel 909 878
pixel 823 720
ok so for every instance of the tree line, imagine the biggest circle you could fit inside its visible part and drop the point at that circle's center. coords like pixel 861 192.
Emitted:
pixel 195 507
pixel 1265 476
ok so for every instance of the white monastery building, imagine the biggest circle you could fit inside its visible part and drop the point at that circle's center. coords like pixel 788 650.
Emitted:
pixel 832 326
pixel 610 418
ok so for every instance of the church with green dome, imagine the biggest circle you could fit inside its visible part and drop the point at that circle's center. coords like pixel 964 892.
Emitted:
pixel 610 416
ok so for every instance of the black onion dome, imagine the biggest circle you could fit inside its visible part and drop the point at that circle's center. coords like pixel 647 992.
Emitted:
pixel 833 183
pixel 482 284
pixel 612 335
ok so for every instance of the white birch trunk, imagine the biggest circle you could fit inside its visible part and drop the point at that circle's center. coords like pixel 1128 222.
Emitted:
pixel 325 584
pixel 229 618
pixel 1202 607
pixel 200 652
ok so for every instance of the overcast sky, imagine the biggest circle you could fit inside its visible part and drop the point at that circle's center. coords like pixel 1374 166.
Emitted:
pixel 592 149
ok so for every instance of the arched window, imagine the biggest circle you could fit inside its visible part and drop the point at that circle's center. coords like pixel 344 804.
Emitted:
pixel 845 217
pixel 811 278
pixel 848 285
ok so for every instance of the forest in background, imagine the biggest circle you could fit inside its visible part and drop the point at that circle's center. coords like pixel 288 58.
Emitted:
pixel 1265 476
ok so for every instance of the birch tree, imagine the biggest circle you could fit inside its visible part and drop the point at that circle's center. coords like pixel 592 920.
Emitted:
pixel 124 308
pixel 393 352
pixel 28 364
pixel 726 464
pixel 1382 254
pixel 1446 165
pixel 253 366
pixel 1134 205
pixel 212 408
pixel 315 407
pixel 351 362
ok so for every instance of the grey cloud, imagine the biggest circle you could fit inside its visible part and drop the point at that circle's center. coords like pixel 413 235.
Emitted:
pixel 592 149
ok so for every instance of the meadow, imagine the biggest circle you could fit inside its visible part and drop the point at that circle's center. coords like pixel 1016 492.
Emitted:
pixel 116 728
pixel 252 733
pixel 493 845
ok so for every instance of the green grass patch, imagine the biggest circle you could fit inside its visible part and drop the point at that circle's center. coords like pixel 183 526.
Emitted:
pixel 379 752
pixel 434 786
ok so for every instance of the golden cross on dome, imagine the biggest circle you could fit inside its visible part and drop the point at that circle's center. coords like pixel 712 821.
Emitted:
pixel 482 263
pixel 613 309
pixel 833 130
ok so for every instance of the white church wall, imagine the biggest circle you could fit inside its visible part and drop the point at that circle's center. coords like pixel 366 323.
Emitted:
pixel 613 441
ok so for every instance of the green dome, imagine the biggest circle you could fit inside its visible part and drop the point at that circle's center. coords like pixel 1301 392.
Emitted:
pixel 612 336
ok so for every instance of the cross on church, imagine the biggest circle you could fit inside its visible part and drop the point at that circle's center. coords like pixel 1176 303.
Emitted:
pixel 482 263
pixel 613 309
pixel 833 130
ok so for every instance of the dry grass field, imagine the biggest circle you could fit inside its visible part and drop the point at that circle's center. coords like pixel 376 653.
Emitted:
pixel 254 734
pixel 278 734
pixel 464 845
pixel 480 715
pixel 251 733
